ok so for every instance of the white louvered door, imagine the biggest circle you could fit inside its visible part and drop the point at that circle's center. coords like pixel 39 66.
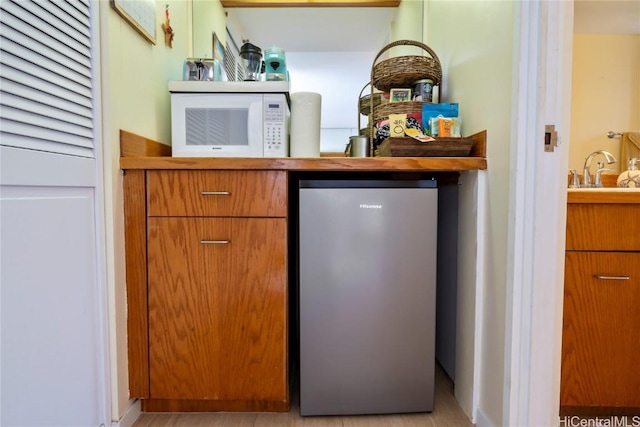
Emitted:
pixel 46 77
pixel 53 302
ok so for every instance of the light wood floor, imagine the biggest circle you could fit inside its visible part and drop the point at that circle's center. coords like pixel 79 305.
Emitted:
pixel 446 413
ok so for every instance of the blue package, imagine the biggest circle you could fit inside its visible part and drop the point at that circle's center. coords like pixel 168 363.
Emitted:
pixel 435 110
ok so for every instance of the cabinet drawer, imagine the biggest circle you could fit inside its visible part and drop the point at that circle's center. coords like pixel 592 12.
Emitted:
pixel 217 193
pixel 603 227
pixel 601 330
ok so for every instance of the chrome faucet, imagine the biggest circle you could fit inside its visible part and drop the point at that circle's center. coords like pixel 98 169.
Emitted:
pixel 598 175
pixel 575 179
pixel 586 173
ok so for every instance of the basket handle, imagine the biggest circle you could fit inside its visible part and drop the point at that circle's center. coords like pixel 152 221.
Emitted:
pixel 405 43
pixel 360 96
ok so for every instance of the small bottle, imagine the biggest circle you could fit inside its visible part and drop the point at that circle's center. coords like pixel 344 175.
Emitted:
pixel 630 178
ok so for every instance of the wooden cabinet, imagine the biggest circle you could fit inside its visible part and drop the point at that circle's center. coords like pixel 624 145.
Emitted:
pixel 601 327
pixel 216 292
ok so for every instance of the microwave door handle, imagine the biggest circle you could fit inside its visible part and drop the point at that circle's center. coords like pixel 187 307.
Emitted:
pixel 254 124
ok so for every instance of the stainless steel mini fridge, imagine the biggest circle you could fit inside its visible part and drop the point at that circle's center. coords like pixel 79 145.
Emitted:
pixel 367 292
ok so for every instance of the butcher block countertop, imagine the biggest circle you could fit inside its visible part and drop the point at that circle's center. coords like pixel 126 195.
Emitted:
pixel 141 153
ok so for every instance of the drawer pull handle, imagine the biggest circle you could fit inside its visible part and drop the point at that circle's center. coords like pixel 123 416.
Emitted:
pixel 597 276
pixel 215 242
pixel 215 193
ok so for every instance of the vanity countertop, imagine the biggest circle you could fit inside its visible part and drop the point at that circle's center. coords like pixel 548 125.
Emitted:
pixel 603 195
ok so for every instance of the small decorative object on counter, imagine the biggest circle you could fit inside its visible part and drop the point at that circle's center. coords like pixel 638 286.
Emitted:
pixel 169 34
pixel 198 69
pixel 397 125
pixel 630 178
pixel 448 127
pixel 422 90
pixel 251 60
pixel 358 146
pixel 418 135
pixel 431 111
pixel 400 95
pixel 276 68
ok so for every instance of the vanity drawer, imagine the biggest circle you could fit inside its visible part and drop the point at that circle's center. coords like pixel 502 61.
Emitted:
pixel 217 193
pixel 603 227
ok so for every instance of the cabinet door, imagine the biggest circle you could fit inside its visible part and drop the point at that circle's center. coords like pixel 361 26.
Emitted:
pixel 217 311
pixel 601 332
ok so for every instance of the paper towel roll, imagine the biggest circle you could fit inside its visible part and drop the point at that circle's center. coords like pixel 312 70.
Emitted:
pixel 305 124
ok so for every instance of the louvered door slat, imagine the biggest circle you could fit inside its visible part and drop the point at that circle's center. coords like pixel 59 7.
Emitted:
pixel 41 132
pixel 78 85
pixel 46 12
pixel 12 90
pixel 59 13
pixel 77 10
pixel 41 60
pixel 22 33
pixel 41 28
pixel 37 144
pixel 12 77
pixel 22 109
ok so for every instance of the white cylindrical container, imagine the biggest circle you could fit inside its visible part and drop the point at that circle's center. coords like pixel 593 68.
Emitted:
pixel 305 124
pixel 631 177
pixel 358 146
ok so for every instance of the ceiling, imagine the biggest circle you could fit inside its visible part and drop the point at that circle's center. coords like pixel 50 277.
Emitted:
pixel 363 29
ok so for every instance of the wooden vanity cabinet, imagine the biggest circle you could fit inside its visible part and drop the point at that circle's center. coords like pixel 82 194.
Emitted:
pixel 216 291
pixel 601 326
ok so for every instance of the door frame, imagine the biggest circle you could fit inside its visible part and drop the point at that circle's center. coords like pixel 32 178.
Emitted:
pixel 542 95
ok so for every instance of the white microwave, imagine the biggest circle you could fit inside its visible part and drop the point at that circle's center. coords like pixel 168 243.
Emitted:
pixel 229 119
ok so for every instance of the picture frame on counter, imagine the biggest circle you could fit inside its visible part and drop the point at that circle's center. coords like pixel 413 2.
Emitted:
pixel 400 95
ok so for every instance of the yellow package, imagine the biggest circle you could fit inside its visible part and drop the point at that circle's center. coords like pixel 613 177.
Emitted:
pixel 397 125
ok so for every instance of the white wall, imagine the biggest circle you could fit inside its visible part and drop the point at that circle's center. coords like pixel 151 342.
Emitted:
pixel 605 95
pixel 406 26
pixel 473 40
pixel 135 98
pixel 338 77
pixel 208 17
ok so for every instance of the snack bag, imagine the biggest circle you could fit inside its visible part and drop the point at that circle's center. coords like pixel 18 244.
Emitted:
pixel 397 123
pixel 445 126
pixel 430 111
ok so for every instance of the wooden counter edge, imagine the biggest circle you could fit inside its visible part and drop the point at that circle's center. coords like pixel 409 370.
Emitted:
pixel 138 152
pixel 311 164
pixel 587 196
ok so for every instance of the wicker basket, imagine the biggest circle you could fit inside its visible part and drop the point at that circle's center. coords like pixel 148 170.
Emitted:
pixel 382 111
pixel 402 71
pixel 409 147
pixel 365 102
pixel 399 72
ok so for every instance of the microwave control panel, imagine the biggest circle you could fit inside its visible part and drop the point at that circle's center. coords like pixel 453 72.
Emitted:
pixel 275 128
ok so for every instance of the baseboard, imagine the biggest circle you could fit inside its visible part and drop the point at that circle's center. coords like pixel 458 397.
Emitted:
pixel 129 417
pixel 482 420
